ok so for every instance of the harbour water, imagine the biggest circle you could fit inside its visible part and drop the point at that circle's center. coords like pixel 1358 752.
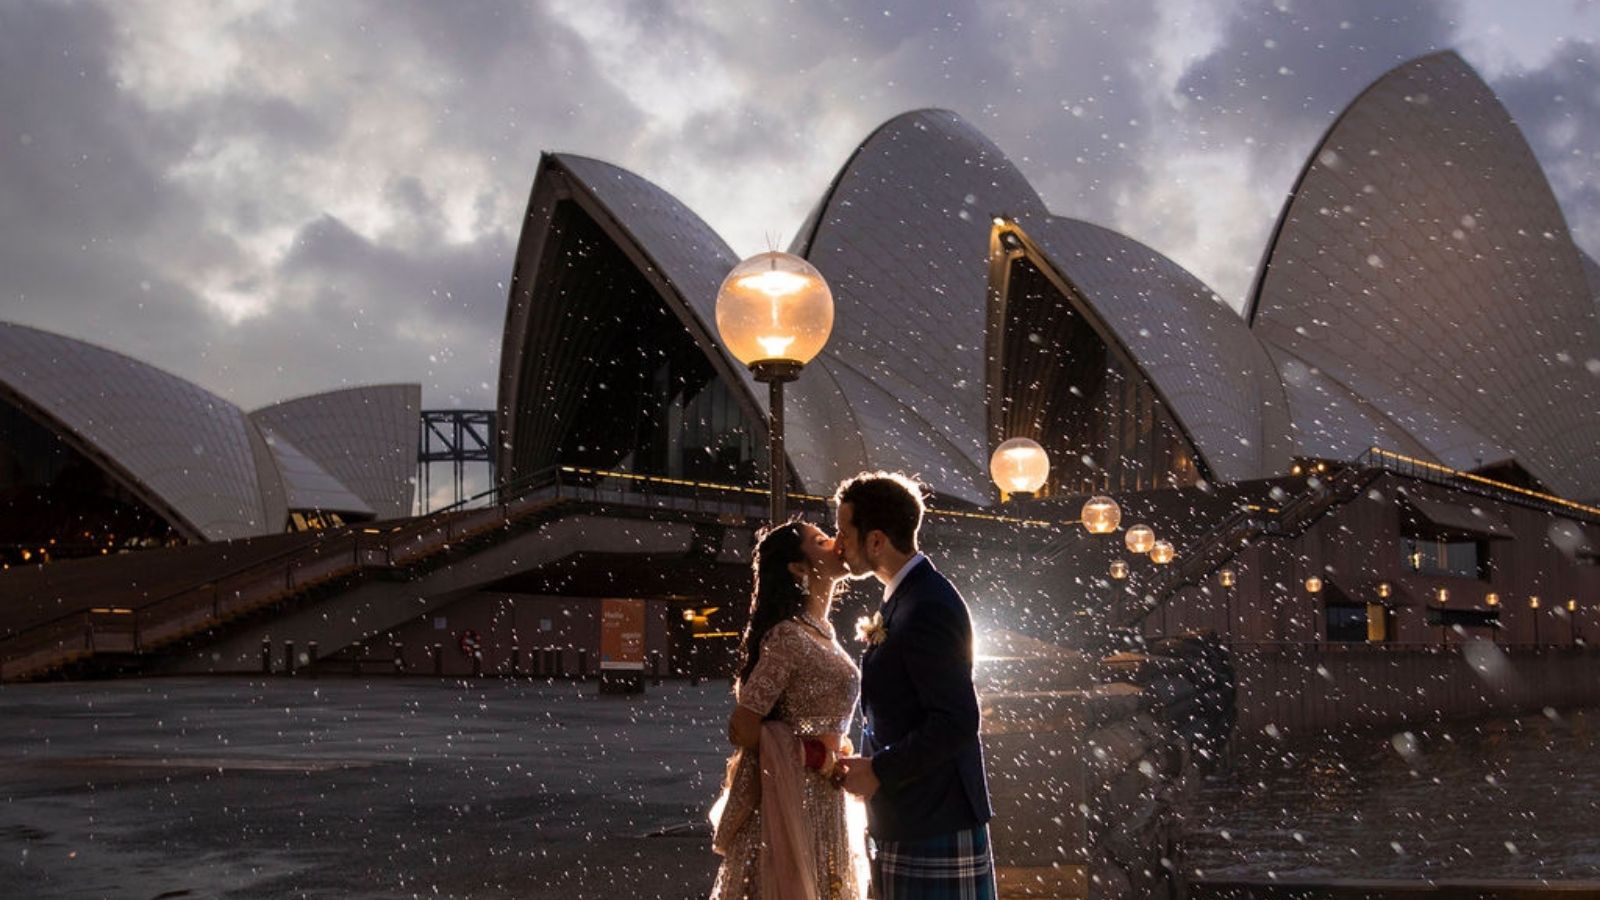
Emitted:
pixel 1507 798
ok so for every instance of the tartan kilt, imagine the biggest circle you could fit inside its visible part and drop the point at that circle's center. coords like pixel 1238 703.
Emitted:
pixel 955 866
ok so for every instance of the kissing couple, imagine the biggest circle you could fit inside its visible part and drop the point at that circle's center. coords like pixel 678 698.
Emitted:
pixel 789 822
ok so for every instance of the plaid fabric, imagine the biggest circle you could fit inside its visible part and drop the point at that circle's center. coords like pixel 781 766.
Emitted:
pixel 953 866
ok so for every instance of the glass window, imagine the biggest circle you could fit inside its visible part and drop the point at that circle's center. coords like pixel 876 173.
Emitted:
pixel 1467 559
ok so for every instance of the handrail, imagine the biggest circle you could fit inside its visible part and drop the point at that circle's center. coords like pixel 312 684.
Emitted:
pixel 1387 459
pixel 1291 519
pixel 272 562
pixel 202 604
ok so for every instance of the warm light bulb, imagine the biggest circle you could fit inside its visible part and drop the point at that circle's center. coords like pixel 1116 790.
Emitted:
pixel 1140 539
pixel 1019 466
pixel 774 308
pixel 775 345
pixel 1101 515
pixel 1162 552
pixel 774 283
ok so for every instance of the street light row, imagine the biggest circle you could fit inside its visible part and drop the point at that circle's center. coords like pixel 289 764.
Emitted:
pixel 775 314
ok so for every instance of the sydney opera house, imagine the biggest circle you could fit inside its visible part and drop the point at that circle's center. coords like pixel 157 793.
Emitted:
pixel 1394 442
pixel 102 453
pixel 1421 315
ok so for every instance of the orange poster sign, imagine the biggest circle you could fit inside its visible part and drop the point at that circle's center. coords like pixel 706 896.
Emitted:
pixel 622 635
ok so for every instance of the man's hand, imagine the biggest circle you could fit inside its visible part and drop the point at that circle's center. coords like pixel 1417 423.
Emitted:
pixel 857 776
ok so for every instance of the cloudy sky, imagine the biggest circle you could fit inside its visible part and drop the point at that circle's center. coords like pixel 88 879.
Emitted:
pixel 273 197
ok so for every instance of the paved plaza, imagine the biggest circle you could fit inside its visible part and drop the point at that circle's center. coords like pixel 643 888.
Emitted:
pixel 336 787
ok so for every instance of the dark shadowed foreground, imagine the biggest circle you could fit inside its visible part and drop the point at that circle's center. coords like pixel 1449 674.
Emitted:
pixel 355 789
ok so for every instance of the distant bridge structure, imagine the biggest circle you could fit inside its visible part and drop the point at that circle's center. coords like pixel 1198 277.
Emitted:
pixel 457 437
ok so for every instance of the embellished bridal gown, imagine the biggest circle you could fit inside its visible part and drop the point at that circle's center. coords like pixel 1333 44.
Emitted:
pixel 784 830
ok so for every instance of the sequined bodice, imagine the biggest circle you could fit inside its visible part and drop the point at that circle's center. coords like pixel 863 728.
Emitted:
pixel 810 680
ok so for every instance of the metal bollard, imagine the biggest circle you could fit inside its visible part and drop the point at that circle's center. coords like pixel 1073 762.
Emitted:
pixel 266 656
pixel 655 667
pixel 288 657
pixel 399 660
pixel 516 660
pixel 438 659
pixel 559 657
pixel 583 663
pixel 311 659
pixel 477 664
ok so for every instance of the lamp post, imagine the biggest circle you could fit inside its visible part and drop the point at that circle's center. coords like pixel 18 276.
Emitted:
pixel 1572 618
pixel 775 312
pixel 1019 468
pixel 1228 578
pixel 1533 606
pixel 1444 597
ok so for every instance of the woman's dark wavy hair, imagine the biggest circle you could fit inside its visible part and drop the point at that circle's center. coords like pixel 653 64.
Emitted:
pixel 776 595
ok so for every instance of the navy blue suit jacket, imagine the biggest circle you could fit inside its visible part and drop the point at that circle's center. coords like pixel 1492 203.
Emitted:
pixel 920 714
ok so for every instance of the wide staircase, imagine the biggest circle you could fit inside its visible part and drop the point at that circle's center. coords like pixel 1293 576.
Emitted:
pixel 109 637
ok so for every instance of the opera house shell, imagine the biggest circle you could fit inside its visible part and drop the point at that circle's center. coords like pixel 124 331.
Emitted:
pixel 1420 294
pixel 100 452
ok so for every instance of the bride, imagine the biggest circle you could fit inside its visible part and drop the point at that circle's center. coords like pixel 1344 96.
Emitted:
pixel 783 826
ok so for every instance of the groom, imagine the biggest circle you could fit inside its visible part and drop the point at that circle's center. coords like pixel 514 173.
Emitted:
pixel 921 771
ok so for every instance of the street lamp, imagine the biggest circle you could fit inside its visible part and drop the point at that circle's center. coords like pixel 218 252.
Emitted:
pixel 775 312
pixel 1140 539
pixel 1161 552
pixel 1119 569
pixel 1019 467
pixel 1572 618
pixel 1101 515
pixel 1533 604
pixel 1228 578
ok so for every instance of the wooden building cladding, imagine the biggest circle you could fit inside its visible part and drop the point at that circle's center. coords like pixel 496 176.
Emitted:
pixel 1530 565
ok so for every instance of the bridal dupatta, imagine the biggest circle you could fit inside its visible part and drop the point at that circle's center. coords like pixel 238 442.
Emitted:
pixel 784 831
pixel 770 779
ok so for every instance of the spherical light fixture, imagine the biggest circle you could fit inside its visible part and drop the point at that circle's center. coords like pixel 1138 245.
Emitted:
pixel 1533 602
pixel 1161 552
pixel 1019 466
pixel 1101 515
pixel 1443 594
pixel 1119 569
pixel 1385 589
pixel 1227 578
pixel 1572 605
pixel 1313 585
pixel 1140 539
pixel 1491 599
pixel 774 312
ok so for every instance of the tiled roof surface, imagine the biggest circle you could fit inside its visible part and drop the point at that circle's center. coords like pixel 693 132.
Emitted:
pixel 364 437
pixel 183 448
pixel 1423 264
pixel 1212 371
pixel 904 242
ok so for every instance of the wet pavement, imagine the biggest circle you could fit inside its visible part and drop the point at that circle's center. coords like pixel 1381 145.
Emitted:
pixel 301 788
pixel 1509 798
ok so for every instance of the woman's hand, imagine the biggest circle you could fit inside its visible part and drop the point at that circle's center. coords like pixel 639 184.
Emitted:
pixel 744 728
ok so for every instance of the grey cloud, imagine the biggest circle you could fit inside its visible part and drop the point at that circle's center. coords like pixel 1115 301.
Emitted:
pixel 1283 70
pixel 1557 106
pixel 99 239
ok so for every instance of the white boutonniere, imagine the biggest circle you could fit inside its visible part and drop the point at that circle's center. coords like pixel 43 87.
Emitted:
pixel 871 631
